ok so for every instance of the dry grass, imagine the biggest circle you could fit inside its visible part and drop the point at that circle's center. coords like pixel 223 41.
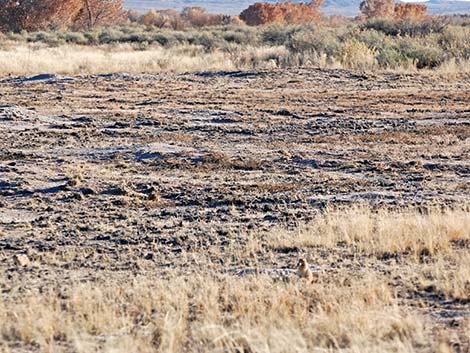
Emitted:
pixel 69 59
pixel 73 59
pixel 212 311
pixel 383 232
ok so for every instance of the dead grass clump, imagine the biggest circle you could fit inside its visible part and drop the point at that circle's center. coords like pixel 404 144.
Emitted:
pixel 449 276
pixel 358 56
pixel 382 232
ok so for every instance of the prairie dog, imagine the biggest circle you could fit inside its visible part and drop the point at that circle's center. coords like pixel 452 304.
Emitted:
pixel 303 271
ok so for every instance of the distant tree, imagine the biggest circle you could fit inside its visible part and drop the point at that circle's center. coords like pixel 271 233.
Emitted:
pixel 285 12
pixel 163 19
pixel 378 8
pixel 100 13
pixel 34 15
pixel 411 12
pixel 198 17
pixel 133 16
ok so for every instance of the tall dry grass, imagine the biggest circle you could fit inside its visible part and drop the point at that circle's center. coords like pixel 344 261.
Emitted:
pixel 213 314
pixel 72 59
pixel 381 232
pixel 208 310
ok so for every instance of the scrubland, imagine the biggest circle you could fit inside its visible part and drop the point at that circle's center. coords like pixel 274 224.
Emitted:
pixel 374 45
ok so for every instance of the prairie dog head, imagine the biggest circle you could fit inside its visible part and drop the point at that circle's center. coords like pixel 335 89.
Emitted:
pixel 302 265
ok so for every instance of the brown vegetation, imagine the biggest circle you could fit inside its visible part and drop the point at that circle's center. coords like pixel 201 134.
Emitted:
pixel 189 17
pixel 18 16
pixel 99 13
pixel 377 8
pixel 286 12
pixel 162 19
pixel 198 17
pixel 399 12
pixel 50 14
pixel 410 12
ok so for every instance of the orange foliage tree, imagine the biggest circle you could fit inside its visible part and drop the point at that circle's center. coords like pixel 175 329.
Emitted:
pixel 162 19
pixel 33 15
pixel 285 12
pixel 100 13
pixel 198 17
pixel 378 8
pixel 190 16
pixel 411 12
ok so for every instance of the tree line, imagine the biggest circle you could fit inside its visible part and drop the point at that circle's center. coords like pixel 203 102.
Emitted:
pixel 34 15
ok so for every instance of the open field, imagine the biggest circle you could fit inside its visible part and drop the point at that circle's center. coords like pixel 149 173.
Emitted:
pixel 166 212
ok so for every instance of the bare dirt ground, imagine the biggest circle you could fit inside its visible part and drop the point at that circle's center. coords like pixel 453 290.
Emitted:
pixel 169 174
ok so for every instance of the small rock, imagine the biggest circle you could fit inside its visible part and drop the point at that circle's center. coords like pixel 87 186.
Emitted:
pixel 21 260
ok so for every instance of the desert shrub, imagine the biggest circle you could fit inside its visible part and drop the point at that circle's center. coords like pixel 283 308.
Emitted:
pixel 320 41
pixel 455 19
pixel 258 57
pixel 410 12
pixel 405 28
pixel 235 37
pixel 49 38
pixel 205 39
pixel 92 37
pixel 278 34
pixel 241 35
pixel 110 35
pixel 275 35
pixel 285 12
pixel 75 38
pixel 456 41
pixel 302 40
pixel 161 39
pixel 390 57
pixel 371 37
pixel 425 55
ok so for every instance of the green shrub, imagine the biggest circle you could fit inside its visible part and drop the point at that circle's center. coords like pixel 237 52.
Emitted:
pixel 372 38
pixel 390 57
pixel 75 38
pixel 405 28
pixel 278 34
pixel 456 41
pixel 49 38
pixel 423 54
